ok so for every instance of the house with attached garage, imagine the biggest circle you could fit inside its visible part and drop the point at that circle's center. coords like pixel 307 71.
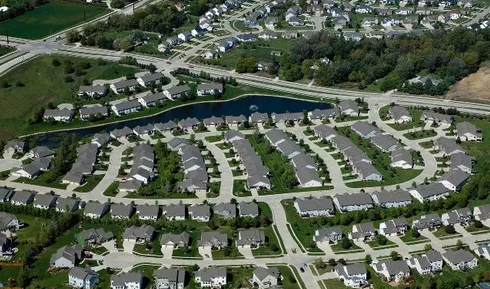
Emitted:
pixel 126 107
pixel 258 117
pixel 353 202
pixel 131 185
pixel 174 212
pixel 5 195
pixel 171 240
pixel 352 275
pixel 314 207
pixel 287 118
pixel 188 123
pixel 289 149
pixel 40 152
pixel 482 213
pixel 83 278
pixel 363 232
pixel 430 116
pixel 463 162
pixel 166 126
pixel 44 202
pixel 483 251
pixel 213 122
pixel 430 262
pixel 214 277
pixel 401 158
pixel 468 132
pixel 308 177
pixel 6 245
pixel 92 237
pixel 392 270
pixel 64 114
pixel 394 227
pixel 235 120
pixel 430 192
pixel 324 132
pixel 213 240
pixel 9 222
pixel 67 205
pixel 15 146
pixel 367 172
pixel 392 199
pixel 225 210
pixel 127 281
pixel 143 130
pixel 176 92
pixel 92 90
pixel 152 99
pixel 430 222
pixel 209 89
pixel 330 235
pixel 461 216
pixel 87 112
pixel 321 114
pixel 454 179
pixel 266 277
pixel 385 143
pixel 22 198
pixel 67 257
pixel 121 86
pixel 233 135
pixel 250 209
pixel 141 234
pixel 201 213
pixel 95 210
pixel 29 171
pixel 365 129
pixel 169 278
pixel 302 160
pixel 176 143
pixel 148 212
pixel 460 259
pixel 251 238
pixel 149 79
pixel 122 211
pixel 120 133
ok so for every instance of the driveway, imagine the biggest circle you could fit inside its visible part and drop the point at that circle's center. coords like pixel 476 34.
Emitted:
pixel 434 241
pixel 325 247
pixel 110 246
pixel 246 252
pixel 401 244
pixel 8 164
pixel 206 253
pixel 167 252
pixel 461 230
pixel 128 246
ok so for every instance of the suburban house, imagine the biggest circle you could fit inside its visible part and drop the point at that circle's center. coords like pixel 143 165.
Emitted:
pixel 468 132
pixel 461 216
pixel 483 251
pixel 352 275
pixel 141 234
pixel 120 133
pixel 401 158
pixel 209 89
pixel 148 212
pixel 170 240
pixel 174 212
pixel 126 107
pixel 364 232
pixel 213 240
pixel 5 195
pixel 6 245
pixel 392 270
pixel 430 116
pixel 225 210
pixel 314 207
pixel 324 132
pixel 365 129
pixel 460 259
pixel 463 162
pixel 251 238
pixel 149 79
pixel 169 278
pixel 454 179
pixel 66 205
pixel 92 90
pixel 430 262
pixel 447 146
pixel 87 112
pixel 15 146
pixel 330 235
pixel 95 210
pixel 353 202
pixel 67 256
pixel 233 135
pixel 83 278
pixel 211 277
pixel 122 211
pixel 22 198
pixel 250 209
pixel 177 91
pixel 392 199
pixel 482 212
pixel 167 126
pixel 430 221
pixel 430 192
pixel 399 114
pixel 385 143
pixel 127 281
pixel 201 213
pixel 40 152
pixel 188 123
pixel 64 114
pixel 152 99
pixel 394 227
pixel 92 237
pixel 44 201
pixel 266 277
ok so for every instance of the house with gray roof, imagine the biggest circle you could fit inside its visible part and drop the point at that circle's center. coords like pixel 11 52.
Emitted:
pixel 399 114
pixel 120 133
pixel 349 107
pixel 15 146
pixel 353 202
pixel 40 152
pixel 385 143
pixel 142 130
pixel 367 172
pixel 171 240
pixel 200 212
pixel 122 211
pixel 152 99
pixel 289 149
pixel 176 91
pixel 463 162
pixel 209 88
pixel 308 178
pixel 149 79
pixel 188 123
pixel 233 135
pixel 483 250
pixel 258 117
pixel 482 212
pixel 176 143
pixel 90 237
pixel 127 281
pixel 131 185
pixel 67 257
pixel 101 139
pixel 454 179
pixel 143 233
pixel 394 227
pixel 430 192
pixel 9 222
pixel 22 198
pixel 460 259
pixel 251 238
pixel 211 277
pixel 213 240
pixel 67 205
pixel 363 232
pixel 44 201
pixel 225 210
pixel 352 275
pixel 82 277
pixel 392 199
pixel 250 209
pixel 5 195
pixel 324 132
pixel 401 158
pixel 468 132
pixel 430 262
pixel 148 212
pixel 461 216
pixel 276 136
pixel 392 270
pixel 73 178
pixel 429 221
pixel 330 235
pixel 122 85
pixel 167 126
pixel 303 161
pixel 92 90
pixel 291 117
pixel 87 112
pixel 341 143
pixel 95 210
pixel 365 129
pixel 64 114
pixel 213 121
pixel 266 277
pixel 321 114
pixel 314 207
pixel 174 211
pixel 169 278
pixel 448 146
pixel 235 120
pixel 126 107
pixel 430 116
pixel 29 171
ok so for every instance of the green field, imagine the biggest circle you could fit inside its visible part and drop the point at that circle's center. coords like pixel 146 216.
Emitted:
pixel 36 83
pixel 50 18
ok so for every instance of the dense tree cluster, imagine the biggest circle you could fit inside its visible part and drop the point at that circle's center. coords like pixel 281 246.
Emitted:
pixel 449 55
pixel 246 64
pixel 21 8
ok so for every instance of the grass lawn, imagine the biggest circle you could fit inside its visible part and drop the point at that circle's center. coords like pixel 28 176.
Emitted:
pixel 8 272
pixel 147 271
pixel 46 20
pixel 338 248
pixel 90 183
pixel 271 240
pixel 39 182
pixel 240 190
pixel 192 250
pixel 44 83
pixel 239 276
pixel 213 138
pixel 407 238
pixel 426 144
pixel 479 150
pixel 375 244
pixel 289 281
pixel 441 234
pixel 420 134
pixel 333 284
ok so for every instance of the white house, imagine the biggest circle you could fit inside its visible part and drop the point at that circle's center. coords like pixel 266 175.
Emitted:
pixel 127 281
pixel 84 278
pixel 211 277
pixel 352 275
pixel 266 277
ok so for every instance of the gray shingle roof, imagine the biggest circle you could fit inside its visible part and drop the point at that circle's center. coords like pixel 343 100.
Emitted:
pixel 211 272
pixel 459 256
pixel 22 196
pixel 127 105
pixel 354 199
pixel 250 237
pixel 122 210
pixel 174 210
pixel 178 239
pixel 432 189
pixel 214 239
pixel 349 104
pixel 202 210
pixel 44 200
pixel 178 89
pixel 148 210
pixel 123 278
pixel 262 272
pixel 93 110
pixel 396 196
pixel 225 209
pixel 173 275
pixel 248 208
pixel 313 204
pixel 455 177
pixel 125 83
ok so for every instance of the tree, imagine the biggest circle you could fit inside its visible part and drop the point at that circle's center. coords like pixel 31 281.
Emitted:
pixel 368 259
pixel 345 243
pixel 449 229
pixel 55 62
pixel 459 245
pixel 395 256
pixel 381 239
pixel 427 247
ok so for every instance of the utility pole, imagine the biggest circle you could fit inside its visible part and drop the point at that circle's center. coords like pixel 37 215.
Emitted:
pixel 50 28
pixel 133 7
pixel 7 33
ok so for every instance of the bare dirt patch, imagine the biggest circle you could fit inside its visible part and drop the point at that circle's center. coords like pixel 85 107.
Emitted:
pixel 473 87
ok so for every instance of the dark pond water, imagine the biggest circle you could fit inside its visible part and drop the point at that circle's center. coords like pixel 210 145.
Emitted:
pixel 238 106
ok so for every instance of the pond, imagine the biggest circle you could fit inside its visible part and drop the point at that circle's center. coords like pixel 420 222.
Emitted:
pixel 243 105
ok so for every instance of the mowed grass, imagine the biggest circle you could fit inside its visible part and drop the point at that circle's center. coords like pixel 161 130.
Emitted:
pixel 44 83
pixel 50 18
